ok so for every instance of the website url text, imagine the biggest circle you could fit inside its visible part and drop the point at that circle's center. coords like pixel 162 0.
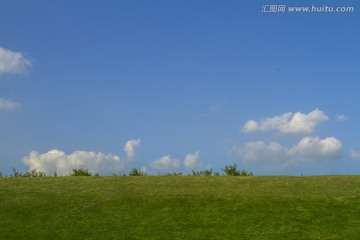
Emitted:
pixel 306 9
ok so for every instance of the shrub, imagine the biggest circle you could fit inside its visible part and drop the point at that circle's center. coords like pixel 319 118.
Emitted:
pixel 172 174
pixel 137 172
pixel 231 170
pixel 34 173
pixel 80 172
pixel 206 172
pixel 245 173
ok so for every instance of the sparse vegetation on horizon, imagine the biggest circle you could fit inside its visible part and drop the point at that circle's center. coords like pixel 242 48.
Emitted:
pixel 30 173
pixel 206 172
pixel 230 170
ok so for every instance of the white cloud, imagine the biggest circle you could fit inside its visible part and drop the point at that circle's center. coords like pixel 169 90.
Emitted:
pixel 62 163
pixel 341 117
pixel 96 162
pixel 288 123
pixel 165 163
pixel 192 160
pixel 307 149
pixel 251 126
pixel 13 62
pixel 314 148
pixel 130 147
pixel 261 152
pixel 8 104
pixel 354 154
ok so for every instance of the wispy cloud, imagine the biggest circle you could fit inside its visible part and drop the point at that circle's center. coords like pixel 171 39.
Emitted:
pixel 288 123
pixel 192 160
pixel 354 154
pixel 260 152
pixel 341 117
pixel 8 104
pixel 13 62
pixel 130 147
pixel 166 163
pixel 213 110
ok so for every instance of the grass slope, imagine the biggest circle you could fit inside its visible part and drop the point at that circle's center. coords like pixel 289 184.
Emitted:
pixel 325 207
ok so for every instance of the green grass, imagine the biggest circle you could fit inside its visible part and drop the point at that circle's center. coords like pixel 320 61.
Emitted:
pixel 180 207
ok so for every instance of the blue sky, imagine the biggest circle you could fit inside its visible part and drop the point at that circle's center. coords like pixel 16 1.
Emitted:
pixel 171 86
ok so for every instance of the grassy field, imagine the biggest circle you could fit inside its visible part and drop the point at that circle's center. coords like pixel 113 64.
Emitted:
pixel 180 207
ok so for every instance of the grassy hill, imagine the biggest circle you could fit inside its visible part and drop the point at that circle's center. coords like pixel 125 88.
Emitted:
pixel 180 207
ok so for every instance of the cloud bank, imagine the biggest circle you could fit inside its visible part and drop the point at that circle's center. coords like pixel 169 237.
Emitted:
pixel 288 123
pixel 96 162
pixel 13 62
pixel 105 164
pixel 62 163
pixel 311 149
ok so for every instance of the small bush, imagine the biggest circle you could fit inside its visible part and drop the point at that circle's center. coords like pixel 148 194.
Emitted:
pixel 137 172
pixel 80 172
pixel 231 170
pixel 171 174
pixel 34 173
pixel 206 172
pixel 245 173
